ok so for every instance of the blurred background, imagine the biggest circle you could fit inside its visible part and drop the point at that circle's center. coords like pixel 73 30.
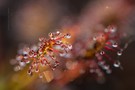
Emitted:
pixel 24 21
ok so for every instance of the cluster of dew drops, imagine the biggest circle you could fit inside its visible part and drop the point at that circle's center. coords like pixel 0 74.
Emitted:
pixel 111 45
pixel 44 54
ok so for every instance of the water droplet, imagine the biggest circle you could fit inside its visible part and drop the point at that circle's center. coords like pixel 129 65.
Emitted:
pixel 94 38
pixel 62 54
pixel 35 55
pixel 68 55
pixel 56 63
pixel 31 54
pixel 41 39
pixel 115 45
pixel 34 48
pixel 43 64
pixel 67 36
pixel 58 42
pixel 102 52
pixel 119 53
pixel 50 34
pixel 40 51
pixel 109 71
pixel 27 61
pixel 53 57
pixel 19 58
pixel 29 72
pixel 70 47
pixel 22 64
pixel 17 68
pixel 31 67
pixel 25 57
pixel 113 30
pixel 40 75
pixel 106 67
pixel 116 64
pixel 25 52
pixel 58 33
pixel 66 49
pixel 53 68
pixel 36 70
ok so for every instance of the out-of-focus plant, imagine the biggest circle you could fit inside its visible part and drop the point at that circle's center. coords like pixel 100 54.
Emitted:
pixel 54 60
pixel 42 56
pixel 94 52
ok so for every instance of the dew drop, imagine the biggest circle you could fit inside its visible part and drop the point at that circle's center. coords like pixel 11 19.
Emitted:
pixel 116 64
pixel 22 64
pixel 50 34
pixel 70 47
pixel 40 75
pixel 119 53
pixel 113 30
pixel 36 70
pixel 58 42
pixel 67 49
pixel 53 68
pixel 94 38
pixel 25 52
pixel 62 54
pixel 106 67
pixel 29 72
pixel 115 45
pixel 31 67
pixel 25 57
pixel 27 61
pixel 34 48
pixel 102 52
pixel 41 39
pixel 18 58
pixel 58 33
pixel 17 68
pixel 40 51
pixel 56 63
pixel 57 47
pixel 53 57
pixel 35 55
pixel 67 36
